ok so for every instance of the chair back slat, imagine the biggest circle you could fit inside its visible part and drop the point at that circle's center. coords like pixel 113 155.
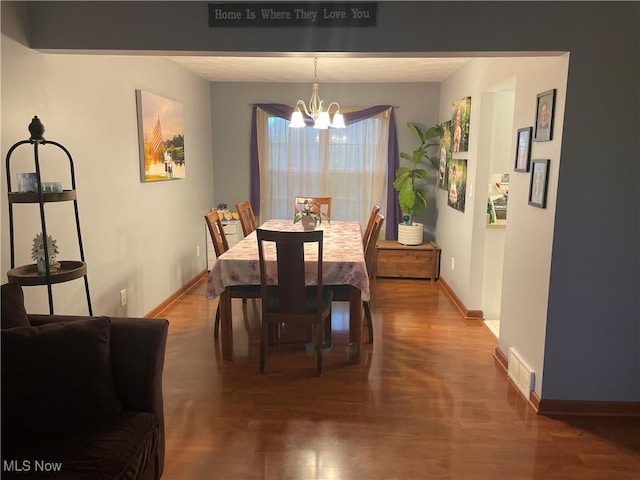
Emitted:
pixel 291 278
pixel 216 230
pixel 370 247
pixel 247 218
pixel 367 232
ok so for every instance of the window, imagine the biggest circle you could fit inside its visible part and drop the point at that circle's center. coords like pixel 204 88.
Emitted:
pixel 349 165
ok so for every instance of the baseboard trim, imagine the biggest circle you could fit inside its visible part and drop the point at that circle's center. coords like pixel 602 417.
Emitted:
pixel 156 312
pixel 534 400
pixel 466 313
pixel 572 407
pixel 502 359
pixel 589 408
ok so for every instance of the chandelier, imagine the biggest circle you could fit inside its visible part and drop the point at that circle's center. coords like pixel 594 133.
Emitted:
pixel 315 109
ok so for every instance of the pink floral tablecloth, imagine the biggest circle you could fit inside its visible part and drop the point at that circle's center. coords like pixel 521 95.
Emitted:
pixel 343 258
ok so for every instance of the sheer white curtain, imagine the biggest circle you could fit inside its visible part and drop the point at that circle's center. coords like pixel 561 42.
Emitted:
pixel 349 165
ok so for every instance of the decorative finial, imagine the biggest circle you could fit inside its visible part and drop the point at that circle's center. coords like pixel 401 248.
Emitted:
pixel 36 128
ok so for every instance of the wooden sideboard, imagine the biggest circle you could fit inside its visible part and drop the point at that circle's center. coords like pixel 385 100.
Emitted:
pixel 407 261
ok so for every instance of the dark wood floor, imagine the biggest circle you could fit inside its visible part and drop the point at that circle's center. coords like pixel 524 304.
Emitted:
pixel 428 402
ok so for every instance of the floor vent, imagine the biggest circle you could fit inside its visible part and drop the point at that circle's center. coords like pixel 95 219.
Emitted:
pixel 521 374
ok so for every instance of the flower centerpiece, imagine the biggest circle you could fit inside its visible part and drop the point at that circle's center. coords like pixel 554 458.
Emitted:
pixel 38 254
pixel 310 215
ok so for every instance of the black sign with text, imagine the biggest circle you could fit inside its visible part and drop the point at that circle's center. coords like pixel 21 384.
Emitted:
pixel 290 14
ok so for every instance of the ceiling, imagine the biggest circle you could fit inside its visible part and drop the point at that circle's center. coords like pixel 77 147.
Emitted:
pixel 334 68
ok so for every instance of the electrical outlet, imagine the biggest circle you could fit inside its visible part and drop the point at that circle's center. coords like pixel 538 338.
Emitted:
pixel 123 297
pixel 453 263
pixel 197 250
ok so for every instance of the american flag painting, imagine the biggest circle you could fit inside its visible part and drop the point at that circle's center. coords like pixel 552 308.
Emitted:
pixel 161 137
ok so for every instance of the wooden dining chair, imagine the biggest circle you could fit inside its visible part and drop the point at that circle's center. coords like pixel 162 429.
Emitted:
pixel 341 292
pixel 293 300
pixel 319 204
pixel 216 230
pixel 372 217
pixel 220 245
pixel 247 218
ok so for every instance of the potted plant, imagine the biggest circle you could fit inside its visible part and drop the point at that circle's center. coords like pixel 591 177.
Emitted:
pixel 411 183
pixel 310 215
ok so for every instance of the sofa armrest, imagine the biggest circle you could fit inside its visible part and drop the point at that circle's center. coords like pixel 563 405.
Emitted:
pixel 137 360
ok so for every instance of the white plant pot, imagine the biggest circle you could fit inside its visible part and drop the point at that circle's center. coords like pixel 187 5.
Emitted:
pixel 410 234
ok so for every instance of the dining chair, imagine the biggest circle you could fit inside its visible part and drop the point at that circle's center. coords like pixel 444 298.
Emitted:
pixel 247 218
pixel 294 299
pixel 341 292
pixel 372 217
pixel 220 245
pixel 319 204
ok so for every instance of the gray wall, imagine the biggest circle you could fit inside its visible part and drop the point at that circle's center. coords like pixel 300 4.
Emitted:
pixel 230 106
pixel 593 321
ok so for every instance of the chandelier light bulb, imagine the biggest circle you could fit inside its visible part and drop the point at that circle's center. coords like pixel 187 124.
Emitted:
pixel 297 120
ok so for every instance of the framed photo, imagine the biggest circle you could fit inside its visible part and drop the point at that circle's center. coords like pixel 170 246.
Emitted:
pixel 539 183
pixel 544 115
pixel 457 184
pixel 523 150
pixel 460 119
pixel 161 137
pixel 445 154
pixel 27 182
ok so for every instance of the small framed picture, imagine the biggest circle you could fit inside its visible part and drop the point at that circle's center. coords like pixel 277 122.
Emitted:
pixel 544 115
pixel 539 182
pixel 523 150
pixel 28 182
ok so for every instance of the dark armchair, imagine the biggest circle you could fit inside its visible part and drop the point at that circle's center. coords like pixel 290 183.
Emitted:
pixel 82 397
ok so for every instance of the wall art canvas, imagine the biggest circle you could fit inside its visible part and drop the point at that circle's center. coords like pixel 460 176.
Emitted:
pixel 445 154
pixel 161 137
pixel 461 113
pixel 457 183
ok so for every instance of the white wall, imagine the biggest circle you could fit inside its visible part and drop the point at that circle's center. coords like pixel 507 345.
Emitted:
pixel 500 157
pixel 138 236
pixel 529 230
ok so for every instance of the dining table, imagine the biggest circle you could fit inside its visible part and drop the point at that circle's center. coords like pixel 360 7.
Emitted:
pixel 343 264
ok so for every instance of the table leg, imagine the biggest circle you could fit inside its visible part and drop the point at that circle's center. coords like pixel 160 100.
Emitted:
pixel 355 324
pixel 226 325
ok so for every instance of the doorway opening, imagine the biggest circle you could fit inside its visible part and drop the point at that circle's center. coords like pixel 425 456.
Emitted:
pixel 498 105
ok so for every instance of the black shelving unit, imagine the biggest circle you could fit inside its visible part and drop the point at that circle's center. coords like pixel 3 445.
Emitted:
pixel 27 275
